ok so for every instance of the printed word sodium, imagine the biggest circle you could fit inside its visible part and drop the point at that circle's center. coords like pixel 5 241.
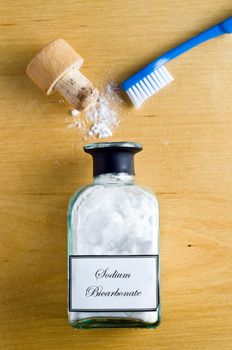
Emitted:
pixel 104 273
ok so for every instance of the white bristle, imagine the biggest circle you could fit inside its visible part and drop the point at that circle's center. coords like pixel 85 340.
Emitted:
pixel 149 85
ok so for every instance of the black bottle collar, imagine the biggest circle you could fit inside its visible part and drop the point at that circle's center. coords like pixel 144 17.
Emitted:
pixel 113 157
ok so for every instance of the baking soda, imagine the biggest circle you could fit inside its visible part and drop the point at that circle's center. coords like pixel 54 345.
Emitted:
pixel 115 220
pixel 101 118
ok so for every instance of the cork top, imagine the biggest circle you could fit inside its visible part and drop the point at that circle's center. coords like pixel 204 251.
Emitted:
pixel 51 63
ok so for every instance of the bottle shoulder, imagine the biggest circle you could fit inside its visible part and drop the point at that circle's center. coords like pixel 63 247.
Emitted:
pixel 147 191
pixel 81 192
pixel 108 195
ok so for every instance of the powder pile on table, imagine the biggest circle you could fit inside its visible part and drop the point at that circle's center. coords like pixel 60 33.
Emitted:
pixel 101 118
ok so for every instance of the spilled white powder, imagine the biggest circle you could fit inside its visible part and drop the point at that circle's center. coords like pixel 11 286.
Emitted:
pixel 100 119
pixel 115 220
pixel 74 112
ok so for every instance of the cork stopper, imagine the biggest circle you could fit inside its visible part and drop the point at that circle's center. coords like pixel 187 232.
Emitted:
pixel 56 67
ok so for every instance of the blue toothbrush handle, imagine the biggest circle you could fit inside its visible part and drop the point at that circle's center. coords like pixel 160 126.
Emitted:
pixel 219 29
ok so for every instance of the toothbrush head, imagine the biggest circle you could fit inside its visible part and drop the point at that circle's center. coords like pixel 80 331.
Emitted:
pixel 145 84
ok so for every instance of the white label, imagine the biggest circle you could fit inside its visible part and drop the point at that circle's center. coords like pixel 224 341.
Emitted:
pixel 113 283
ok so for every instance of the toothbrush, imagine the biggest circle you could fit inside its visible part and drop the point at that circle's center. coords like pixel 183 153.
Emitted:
pixel 155 76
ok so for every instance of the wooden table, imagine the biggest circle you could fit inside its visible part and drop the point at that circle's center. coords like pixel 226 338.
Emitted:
pixel 187 159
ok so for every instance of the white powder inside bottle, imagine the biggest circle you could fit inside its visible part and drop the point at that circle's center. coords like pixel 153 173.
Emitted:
pixel 101 118
pixel 115 220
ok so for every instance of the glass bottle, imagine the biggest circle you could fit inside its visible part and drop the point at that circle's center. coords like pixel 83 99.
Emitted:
pixel 113 245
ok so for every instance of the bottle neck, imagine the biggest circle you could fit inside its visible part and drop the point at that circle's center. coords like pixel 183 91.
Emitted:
pixel 112 178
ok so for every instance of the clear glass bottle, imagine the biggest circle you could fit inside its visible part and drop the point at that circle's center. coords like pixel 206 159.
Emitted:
pixel 113 245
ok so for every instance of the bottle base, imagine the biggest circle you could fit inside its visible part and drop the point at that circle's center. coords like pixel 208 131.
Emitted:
pixel 90 323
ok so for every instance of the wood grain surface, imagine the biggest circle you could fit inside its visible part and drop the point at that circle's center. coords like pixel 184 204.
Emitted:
pixel 187 159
